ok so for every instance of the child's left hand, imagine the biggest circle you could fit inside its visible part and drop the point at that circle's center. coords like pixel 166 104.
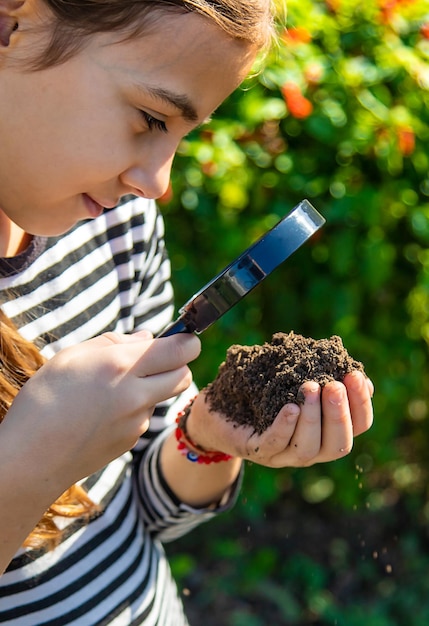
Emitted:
pixel 320 430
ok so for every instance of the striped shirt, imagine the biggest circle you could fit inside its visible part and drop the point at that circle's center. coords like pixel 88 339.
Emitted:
pixel 107 274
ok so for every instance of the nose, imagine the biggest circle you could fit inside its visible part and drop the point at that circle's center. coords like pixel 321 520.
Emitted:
pixel 149 176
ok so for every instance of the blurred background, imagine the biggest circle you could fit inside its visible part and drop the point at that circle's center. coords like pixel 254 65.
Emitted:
pixel 339 114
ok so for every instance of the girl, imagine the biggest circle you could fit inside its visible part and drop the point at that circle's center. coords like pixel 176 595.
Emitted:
pixel 95 96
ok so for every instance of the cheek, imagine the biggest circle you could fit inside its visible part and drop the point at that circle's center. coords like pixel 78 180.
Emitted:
pixel 81 127
pixel 101 140
pixel 84 149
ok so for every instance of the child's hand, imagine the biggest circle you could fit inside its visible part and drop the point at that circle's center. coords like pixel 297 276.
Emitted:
pixel 91 402
pixel 320 430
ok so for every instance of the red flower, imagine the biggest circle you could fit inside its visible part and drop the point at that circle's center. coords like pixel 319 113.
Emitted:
pixel 296 35
pixel 424 30
pixel 389 7
pixel 333 5
pixel 209 168
pixel 406 140
pixel 299 106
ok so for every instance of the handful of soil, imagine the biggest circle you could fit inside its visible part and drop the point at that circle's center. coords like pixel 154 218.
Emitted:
pixel 254 382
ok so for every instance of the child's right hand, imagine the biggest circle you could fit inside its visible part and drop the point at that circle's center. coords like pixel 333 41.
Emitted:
pixel 91 402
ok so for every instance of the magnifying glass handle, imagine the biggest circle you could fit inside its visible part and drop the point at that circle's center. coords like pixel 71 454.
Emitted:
pixel 247 271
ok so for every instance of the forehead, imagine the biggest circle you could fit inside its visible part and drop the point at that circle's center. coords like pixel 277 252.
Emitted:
pixel 184 53
pixel 173 38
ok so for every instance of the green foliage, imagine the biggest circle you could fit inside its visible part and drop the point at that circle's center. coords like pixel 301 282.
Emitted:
pixel 339 115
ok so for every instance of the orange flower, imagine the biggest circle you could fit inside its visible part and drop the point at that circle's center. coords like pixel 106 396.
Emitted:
pixel 406 140
pixel 299 106
pixel 333 5
pixel 424 30
pixel 296 35
pixel 209 168
pixel 389 7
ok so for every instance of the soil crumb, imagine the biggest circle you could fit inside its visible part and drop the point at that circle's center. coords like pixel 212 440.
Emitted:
pixel 254 382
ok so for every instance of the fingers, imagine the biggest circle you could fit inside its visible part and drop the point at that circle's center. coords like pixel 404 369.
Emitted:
pixel 135 371
pixel 143 355
pixel 345 412
pixel 337 428
pixel 159 387
pixel 320 430
pixel 306 441
pixel 302 443
pixel 167 354
pixel 158 367
pixel 275 439
pixel 115 337
pixel 360 390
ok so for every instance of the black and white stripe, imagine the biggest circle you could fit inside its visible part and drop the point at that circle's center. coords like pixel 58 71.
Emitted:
pixel 108 274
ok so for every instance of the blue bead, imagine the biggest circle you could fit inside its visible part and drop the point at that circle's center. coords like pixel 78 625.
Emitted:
pixel 192 456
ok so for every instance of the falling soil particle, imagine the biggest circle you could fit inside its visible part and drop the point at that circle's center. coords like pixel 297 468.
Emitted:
pixel 254 382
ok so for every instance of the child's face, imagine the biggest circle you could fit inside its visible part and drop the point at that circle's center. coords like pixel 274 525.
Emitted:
pixel 74 138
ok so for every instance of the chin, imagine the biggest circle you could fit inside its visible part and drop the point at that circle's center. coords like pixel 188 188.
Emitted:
pixel 46 223
pixel 48 230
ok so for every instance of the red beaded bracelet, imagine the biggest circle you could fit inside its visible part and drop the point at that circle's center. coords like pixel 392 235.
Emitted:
pixel 192 451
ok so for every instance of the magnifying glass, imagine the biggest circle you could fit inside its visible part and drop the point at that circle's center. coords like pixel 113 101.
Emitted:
pixel 234 282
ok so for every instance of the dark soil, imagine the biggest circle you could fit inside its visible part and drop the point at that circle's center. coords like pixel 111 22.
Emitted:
pixel 254 382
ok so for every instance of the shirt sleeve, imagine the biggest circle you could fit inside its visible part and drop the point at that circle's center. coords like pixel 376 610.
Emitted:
pixel 165 515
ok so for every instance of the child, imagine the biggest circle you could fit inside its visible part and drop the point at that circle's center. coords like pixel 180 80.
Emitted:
pixel 95 96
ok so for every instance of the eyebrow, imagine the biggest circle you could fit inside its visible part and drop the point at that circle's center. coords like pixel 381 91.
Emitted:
pixel 179 101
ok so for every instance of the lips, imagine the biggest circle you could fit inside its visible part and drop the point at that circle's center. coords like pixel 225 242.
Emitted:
pixel 94 208
pixel 108 204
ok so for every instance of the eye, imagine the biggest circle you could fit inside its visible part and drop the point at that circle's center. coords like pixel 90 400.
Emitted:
pixel 153 123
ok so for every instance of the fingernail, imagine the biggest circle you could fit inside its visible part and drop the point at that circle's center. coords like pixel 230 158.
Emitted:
pixel 312 387
pixel 292 412
pixel 357 375
pixel 336 397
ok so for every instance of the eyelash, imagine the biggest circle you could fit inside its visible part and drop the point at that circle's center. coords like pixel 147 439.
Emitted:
pixel 153 123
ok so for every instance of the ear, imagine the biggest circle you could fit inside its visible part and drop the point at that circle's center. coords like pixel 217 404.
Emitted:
pixel 8 19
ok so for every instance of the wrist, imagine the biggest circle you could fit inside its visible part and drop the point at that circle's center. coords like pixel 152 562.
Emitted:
pixel 190 447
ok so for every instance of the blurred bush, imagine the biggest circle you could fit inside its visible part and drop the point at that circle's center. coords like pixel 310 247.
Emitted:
pixel 339 115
